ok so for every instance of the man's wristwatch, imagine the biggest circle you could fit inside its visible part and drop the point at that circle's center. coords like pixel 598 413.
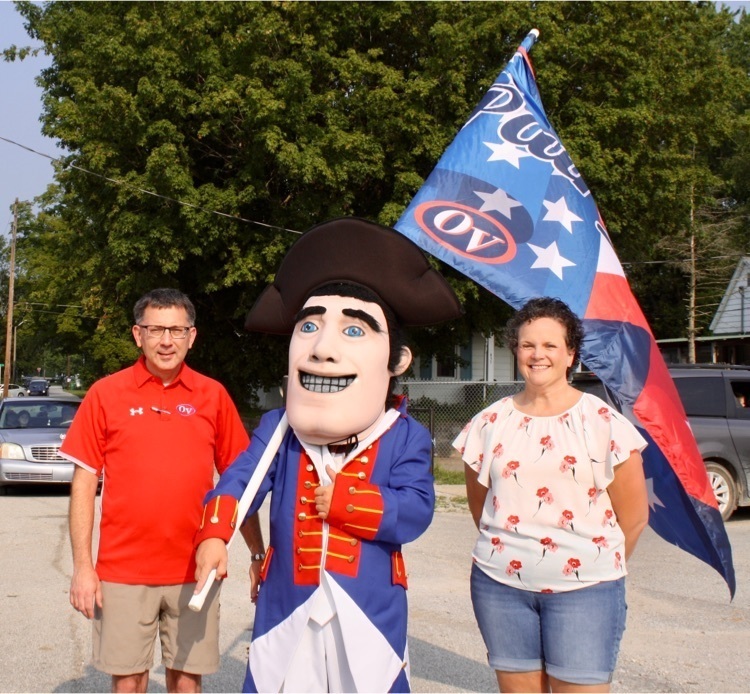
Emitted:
pixel 258 557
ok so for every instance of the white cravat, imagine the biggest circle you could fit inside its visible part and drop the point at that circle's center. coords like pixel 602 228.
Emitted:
pixel 324 605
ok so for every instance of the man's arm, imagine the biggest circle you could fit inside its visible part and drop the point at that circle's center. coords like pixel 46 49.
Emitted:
pixel 253 537
pixel 85 587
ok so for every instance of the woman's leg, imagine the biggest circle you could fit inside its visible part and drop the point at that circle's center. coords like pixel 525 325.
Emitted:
pixel 581 632
pixel 560 686
pixel 535 681
pixel 508 620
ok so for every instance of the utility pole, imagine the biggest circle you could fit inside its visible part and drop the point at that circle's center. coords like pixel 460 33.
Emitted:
pixel 691 332
pixel 11 279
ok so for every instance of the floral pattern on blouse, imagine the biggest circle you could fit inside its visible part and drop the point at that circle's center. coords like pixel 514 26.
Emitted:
pixel 547 524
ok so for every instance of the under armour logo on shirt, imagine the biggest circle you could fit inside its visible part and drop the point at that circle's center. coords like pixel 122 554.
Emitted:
pixel 134 411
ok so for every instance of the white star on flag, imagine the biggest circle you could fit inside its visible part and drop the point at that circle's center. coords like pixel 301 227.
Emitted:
pixel 498 201
pixel 505 151
pixel 653 500
pixel 550 258
pixel 559 212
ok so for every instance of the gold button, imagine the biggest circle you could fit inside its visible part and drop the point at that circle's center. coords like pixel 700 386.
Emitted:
pixel 308 484
pixel 353 542
pixel 309 467
pixel 302 516
pixel 364 460
pixel 350 508
pixel 231 525
pixel 361 475
pixel 214 519
pixel 299 550
pixel 350 559
pixel 299 567
pixel 301 534
pixel 303 499
pixel 352 490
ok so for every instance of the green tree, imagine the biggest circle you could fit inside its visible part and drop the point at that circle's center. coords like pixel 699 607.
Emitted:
pixel 287 114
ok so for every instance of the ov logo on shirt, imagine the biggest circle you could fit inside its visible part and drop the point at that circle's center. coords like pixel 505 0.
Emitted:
pixel 185 410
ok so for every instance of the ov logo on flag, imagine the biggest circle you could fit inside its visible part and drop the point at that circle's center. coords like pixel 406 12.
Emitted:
pixel 466 231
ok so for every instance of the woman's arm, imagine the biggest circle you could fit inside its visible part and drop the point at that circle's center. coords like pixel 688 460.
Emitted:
pixel 630 499
pixel 475 492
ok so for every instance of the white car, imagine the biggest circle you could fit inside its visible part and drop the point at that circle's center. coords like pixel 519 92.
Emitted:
pixel 31 432
pixel 14 391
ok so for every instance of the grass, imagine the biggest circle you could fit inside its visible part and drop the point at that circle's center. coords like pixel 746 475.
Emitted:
pixel 443 476
pixel 451 503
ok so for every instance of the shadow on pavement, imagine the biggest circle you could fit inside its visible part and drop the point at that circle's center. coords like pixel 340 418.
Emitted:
pixel 94 681
pixel 435 664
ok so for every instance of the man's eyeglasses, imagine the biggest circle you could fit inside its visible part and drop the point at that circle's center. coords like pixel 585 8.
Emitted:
pixel 175 331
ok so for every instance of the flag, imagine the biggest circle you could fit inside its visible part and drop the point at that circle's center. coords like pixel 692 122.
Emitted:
pixel 507 207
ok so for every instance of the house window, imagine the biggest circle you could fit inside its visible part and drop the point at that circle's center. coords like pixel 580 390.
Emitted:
pixel 447 369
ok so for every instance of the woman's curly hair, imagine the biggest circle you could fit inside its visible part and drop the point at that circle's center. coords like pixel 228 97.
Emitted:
pixel 547 307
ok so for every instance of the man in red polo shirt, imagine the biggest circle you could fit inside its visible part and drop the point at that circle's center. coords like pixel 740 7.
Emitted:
pixel 157 430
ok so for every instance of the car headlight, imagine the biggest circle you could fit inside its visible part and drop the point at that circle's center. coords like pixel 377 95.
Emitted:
pixel 12 451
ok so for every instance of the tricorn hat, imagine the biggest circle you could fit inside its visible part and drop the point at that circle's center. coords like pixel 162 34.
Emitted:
pixel 355 251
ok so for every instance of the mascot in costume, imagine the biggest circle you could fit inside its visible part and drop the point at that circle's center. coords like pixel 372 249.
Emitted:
pixel 351 479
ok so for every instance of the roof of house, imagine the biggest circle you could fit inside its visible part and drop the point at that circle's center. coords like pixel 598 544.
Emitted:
pixel 733 314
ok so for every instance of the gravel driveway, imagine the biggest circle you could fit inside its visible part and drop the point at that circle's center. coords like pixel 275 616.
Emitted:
pixel 683 634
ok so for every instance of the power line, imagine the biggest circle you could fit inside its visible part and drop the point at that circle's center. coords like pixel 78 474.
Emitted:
pixel 68 165
pixel 263 224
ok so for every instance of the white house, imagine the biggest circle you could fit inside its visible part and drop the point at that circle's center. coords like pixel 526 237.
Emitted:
pixel 733 315
pixel 729 338
pixel 484 361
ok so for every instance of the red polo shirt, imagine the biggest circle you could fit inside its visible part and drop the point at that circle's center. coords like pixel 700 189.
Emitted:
pixel 158 447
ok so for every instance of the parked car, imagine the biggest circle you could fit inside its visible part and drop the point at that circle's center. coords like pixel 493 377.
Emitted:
pixel 14 391
pixel 717 402
pixel 31 432
pixel 38 386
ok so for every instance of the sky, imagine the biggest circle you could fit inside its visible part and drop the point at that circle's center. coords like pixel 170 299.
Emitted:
pixel 25 175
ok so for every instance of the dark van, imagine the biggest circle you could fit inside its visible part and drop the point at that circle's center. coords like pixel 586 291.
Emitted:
pixel 38 386
pixel 717 402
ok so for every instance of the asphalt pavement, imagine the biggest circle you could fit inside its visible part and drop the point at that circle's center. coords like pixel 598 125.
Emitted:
pixel 683 633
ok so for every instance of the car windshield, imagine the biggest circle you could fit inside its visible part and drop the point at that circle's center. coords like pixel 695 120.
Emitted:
pixel 25 415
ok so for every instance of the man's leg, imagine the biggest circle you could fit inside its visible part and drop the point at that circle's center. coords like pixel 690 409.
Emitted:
pixel 130 683
pixel 124 631
pixel 189 640
pixel 179 681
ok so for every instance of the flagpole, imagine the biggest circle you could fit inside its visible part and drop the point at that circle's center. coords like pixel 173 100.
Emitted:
pixel 530 40
pixel 245 501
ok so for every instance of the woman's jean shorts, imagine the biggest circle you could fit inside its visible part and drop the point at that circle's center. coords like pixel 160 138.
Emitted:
pixel 574 636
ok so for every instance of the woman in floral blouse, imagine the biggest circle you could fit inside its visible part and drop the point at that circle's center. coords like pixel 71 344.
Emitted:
pixel 556 488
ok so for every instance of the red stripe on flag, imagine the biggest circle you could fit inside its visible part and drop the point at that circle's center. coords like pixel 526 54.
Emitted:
pixel 660 410
pixel 612 300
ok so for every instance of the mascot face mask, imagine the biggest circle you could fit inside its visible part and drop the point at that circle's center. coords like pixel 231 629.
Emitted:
pixel 340 351
pixel 338 369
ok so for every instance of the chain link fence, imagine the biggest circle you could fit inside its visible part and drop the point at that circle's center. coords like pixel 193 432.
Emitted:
pixel 444 407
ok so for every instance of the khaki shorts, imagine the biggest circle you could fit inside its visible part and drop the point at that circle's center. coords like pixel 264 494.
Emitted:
pixel 125 629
